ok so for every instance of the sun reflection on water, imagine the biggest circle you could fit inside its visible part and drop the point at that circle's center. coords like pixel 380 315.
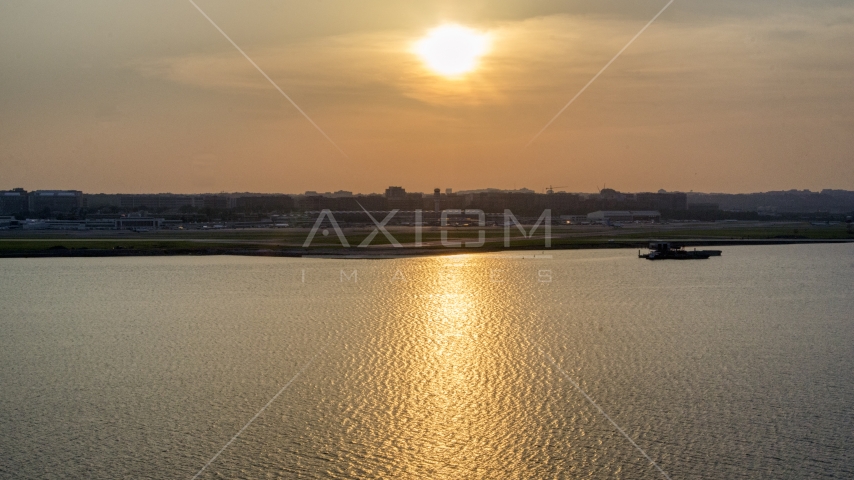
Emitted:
pixel 446 377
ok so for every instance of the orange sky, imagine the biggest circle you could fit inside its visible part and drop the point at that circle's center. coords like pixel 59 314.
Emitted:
pixel 107 96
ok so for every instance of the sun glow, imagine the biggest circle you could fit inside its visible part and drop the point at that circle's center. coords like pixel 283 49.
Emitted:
pixel 452 50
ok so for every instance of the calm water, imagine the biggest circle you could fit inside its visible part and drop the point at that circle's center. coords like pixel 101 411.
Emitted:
pixel 735 367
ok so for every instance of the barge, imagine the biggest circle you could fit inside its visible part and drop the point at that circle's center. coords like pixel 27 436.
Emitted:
pixel 669 251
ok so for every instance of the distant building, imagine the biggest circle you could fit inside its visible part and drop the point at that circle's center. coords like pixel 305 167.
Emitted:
pixel 125 223
pixel 609 216
pixel 781 202
pixel 574 219
pixel 215 202
pixel 55 201
pixel 13 201
pixel 8 222
pixel 100 224
pixel 372 202
pixel 160 201
pixel 395 192
pixel 704 207
pixel 397 197
pixel 94 201
pixel 264 203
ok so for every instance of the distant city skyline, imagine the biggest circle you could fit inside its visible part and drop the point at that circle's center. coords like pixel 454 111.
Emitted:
pixel 444 191
pixel 140 97
pixel 75 206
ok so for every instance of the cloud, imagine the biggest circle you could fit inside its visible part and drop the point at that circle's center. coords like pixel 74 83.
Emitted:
pixel 533 60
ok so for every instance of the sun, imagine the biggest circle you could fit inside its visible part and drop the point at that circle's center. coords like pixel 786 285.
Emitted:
pixel 452 50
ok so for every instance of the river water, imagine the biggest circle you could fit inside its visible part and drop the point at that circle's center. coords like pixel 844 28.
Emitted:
pixel 470 366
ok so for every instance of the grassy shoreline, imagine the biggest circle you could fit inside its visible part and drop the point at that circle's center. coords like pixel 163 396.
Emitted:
pixel 288 242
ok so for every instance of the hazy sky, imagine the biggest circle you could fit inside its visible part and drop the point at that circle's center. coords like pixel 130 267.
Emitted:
pixel 146 96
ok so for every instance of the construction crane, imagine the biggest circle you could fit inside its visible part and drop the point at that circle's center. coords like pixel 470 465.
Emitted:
pixel 550 189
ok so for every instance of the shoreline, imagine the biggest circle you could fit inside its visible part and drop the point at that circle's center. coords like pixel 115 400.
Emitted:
pixel 386 252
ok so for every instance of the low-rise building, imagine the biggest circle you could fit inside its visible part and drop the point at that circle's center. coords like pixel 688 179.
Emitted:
pixel 8 222
pixel 704 207
pixel 13 202
pixel 610 216
pixel 132 223
pixel 161 201
pixel 62 201
pixel 94 201
pixel 574 219
pixel 264 203
pixel 91 224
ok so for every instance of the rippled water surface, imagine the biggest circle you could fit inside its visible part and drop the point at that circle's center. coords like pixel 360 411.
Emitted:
pixel 451 367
